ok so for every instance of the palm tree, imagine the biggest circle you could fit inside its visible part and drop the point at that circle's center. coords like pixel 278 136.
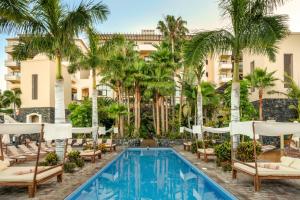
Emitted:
pixel 261 80
pixel 174 30
pixel 91 60
pixel 12 97
pixel 253 28
pixel 160 82
pixel 52 33
pixel 121 57
pixel 210 99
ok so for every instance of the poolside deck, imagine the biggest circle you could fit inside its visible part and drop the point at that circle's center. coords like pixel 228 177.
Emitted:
pixel 242 188
pixel 56 191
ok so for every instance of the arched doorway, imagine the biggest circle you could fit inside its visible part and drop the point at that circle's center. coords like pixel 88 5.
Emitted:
pixel 34 118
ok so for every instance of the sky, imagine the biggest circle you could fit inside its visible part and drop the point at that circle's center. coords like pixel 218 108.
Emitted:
pixel 132 16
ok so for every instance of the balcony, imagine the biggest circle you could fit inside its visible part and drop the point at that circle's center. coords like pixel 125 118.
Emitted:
pixel 225 65
pixel 13 77
pixel 12 64
pixel 225 79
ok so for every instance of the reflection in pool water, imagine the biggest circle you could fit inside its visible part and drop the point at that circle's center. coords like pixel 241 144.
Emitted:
pixel 150 174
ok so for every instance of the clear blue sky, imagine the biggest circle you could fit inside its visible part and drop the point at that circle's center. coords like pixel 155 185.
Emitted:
pixel 134 15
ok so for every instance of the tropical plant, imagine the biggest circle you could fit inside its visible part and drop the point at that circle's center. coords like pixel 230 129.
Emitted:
pixel 245 151
pixel 247 109
pixel 261 80
pixel 122 56
pixel 91 60
pixel 160 83
pixel 223 154
pixel 12 97
pixel 81 113
pixel 254 28
pixel 174 30
pixel 52 30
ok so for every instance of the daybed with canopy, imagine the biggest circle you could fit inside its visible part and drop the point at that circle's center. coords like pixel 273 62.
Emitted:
pixel 32 176
pixel 288 168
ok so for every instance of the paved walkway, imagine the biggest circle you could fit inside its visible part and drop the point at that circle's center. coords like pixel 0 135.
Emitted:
pixel 242 188
pixel 51 190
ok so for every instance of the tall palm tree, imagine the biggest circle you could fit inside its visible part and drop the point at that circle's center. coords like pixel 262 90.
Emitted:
pixel 12 97
pixel 261 80
pixel 253 28
pixel 160 82
pixel 91 60
pixel 52 33
pixel 174 30
pixel 13 13
pixel 121 56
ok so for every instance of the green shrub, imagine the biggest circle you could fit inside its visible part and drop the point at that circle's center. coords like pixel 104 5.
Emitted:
pixel 79 162
pixel 43 163
pixel 245 151
pixel 69 167
pixel 223 152
pixel 51 159
pixel 73 156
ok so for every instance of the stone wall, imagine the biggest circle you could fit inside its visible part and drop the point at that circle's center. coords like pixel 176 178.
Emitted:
pixel 277 109
pixel 47 114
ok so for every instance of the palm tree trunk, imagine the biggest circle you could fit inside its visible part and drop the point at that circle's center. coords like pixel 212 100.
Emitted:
pixel 167 116
pixel 139 109
pixel 154 114
pixel 128 106
pixel 260 94
pixel 199 106
pixel 181 97
pixel 235 97
pixel 94 109
pixel 162 112
pixel 59 106
pixel 157 115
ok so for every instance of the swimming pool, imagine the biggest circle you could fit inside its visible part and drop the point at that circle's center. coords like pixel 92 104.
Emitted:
pixel 150 174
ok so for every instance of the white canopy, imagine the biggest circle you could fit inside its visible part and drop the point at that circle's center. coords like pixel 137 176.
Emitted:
pixel 82 129
pixel 20 128
pixel 51 131
pixel 216 130
pixel 264 128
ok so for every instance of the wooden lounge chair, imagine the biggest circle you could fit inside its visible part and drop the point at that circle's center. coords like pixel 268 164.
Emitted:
pixel 14 152
pixel 27 151
pixel 78 143
pixel 109 145
pixel 35 149
pixel 209 152
pixel 27 176
pixel 288 168
pixel 187 146
pixel 47 149
pixel 91 154
pixel 13 159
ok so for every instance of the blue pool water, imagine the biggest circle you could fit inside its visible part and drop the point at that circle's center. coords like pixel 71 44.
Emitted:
pixel 157 174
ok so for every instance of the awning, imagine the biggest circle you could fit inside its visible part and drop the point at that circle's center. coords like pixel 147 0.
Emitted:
pixel 216 130
pixel 82 130
pixel 20 128
pixel 264 128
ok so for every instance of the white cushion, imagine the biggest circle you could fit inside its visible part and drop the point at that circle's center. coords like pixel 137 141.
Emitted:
pixel 3 165
pixel 286 161
pixel 295 164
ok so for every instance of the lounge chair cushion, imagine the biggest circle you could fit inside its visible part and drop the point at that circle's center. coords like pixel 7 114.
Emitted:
pixel 286 161
pixel 268 165
pixel 187 143
pixel 282 171
pixel 207 151
pixel 3 165
pixel 295 164
pixel 8 175
pixel 89 152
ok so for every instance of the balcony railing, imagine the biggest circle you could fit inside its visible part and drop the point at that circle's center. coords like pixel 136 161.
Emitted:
pixel 13 77
pixel 12 64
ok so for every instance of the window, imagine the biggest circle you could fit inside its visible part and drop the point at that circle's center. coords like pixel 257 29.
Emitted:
pixel 288 68
pixel 102 90
pixel 252 66
pixel 34 86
